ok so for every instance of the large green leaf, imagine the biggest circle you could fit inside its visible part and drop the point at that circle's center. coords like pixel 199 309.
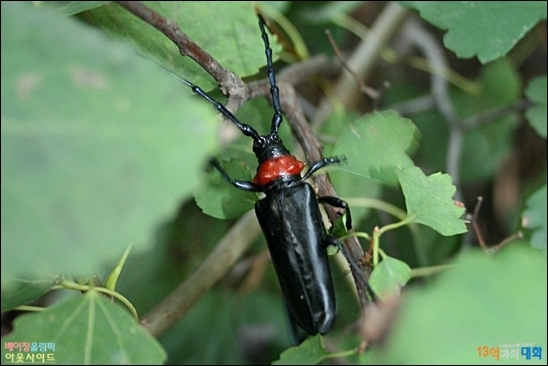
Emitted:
pixel 429 201
pixel 227 30
pixel 72 7
pixel 482 301
pixel 99 145
pixel 486 29
pixel 376 145
pixel 88 330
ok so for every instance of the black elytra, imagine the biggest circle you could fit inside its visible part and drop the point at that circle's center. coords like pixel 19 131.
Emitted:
pixel 289 215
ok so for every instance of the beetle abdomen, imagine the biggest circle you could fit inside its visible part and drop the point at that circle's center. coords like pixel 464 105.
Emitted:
pixel 292 224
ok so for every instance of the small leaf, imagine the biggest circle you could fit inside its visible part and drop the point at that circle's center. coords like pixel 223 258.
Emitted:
pixel 377 144
pixel 534 218
pixel 88 330
pixel 536 93
pixel 309 352
pixel 486 29
pixel 112 278
pixel 219 198
pixel 429 201
pixel 389 276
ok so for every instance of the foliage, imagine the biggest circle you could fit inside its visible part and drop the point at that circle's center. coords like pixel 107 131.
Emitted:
pixel 102 148
pixel 91 330
pixel 495 31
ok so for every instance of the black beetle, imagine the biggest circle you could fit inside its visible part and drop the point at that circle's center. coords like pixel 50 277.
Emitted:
pixel 290 216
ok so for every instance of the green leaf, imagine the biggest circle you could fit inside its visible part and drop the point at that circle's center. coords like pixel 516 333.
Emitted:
pixel 500 84
pixel 492 142
pixel 309 352
pixel 86 330
pixel 536 93
pixel 485 146
pixel 349 186
pixel 482 301
pixel 114 275
pixel 486 29
pixel 377 144
pixel 72 7
pixel 227 30
pixel 21 292
pixel 219 198
pixel 98 145
pixel 534 218
pixel 389 276
pixel 429 201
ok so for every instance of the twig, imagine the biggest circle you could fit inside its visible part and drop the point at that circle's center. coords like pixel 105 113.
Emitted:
pixel 413 106
pixel 370 92
pixel 417 36
pixel 218 262
pixel 495 248
pixel 511 238
pixel 475 225
pixel 478 120
pixel 230 83
pixel 363 59
pixel 313 152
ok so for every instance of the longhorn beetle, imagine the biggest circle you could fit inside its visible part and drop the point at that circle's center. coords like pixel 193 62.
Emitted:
pixel 289 216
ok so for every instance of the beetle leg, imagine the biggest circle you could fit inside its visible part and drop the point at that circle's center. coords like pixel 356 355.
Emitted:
pixel 241 184
pixel 337 202
pixel 331 240
pixel 323 163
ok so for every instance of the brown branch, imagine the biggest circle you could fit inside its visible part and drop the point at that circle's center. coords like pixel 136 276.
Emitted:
pixel 495 248
pixel 476 121
pixel 362 60
pixel 180 300
pixel 475 225
pixel 370 92
pixel 313 152
pixel 230 83
pixel 231 247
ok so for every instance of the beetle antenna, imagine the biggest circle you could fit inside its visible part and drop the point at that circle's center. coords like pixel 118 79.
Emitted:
pixel 245 128
pixel 274 91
